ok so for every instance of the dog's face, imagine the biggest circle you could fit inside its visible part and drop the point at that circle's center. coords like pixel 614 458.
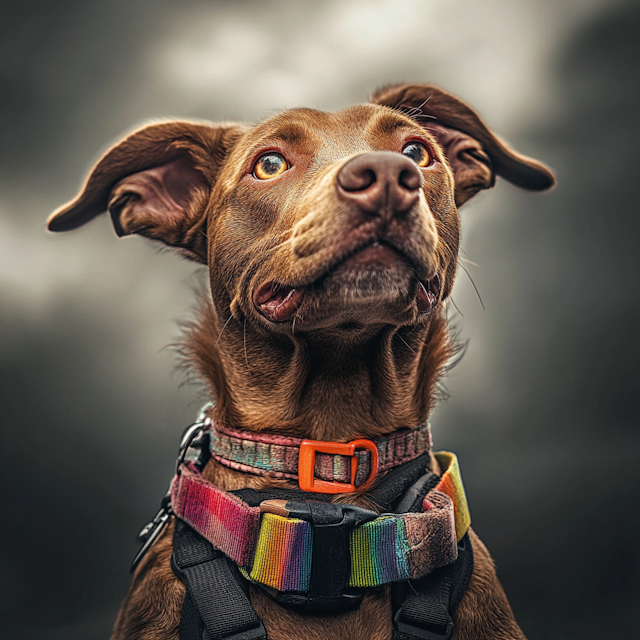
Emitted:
pixel 331 241
pixel 311 220
pixel 322 220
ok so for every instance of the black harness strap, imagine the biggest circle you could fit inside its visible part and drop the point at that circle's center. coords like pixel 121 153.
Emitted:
pixel 216 594
pixel 423 608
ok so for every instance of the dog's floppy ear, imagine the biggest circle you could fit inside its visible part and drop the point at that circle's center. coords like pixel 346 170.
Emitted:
pixel 475 154
pixel 155 183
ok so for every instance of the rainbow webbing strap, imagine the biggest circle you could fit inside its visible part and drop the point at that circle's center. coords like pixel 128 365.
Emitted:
pixel 277 551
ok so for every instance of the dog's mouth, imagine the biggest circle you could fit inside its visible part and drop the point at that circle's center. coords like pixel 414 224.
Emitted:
pixel 278 302
pixel 428 294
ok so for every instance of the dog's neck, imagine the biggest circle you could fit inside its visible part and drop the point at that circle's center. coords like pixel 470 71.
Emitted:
pixel 330 385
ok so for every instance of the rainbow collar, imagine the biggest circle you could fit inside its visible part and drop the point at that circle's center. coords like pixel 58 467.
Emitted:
pixel 277 551
pixel 285 457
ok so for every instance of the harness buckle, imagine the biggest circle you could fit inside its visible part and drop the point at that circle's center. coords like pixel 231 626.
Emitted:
pixel 427 632
pixel 329 590
pixel 307 462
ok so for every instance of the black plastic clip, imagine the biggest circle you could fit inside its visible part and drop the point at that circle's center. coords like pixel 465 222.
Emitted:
pixel 331 564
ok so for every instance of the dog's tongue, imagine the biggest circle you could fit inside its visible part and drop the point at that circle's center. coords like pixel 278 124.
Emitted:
pixel 277 302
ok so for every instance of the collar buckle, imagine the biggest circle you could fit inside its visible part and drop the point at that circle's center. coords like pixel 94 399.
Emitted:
pixel 307 462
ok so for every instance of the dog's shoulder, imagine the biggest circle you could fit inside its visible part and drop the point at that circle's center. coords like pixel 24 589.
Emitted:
pixel 484 612
pixel 153 606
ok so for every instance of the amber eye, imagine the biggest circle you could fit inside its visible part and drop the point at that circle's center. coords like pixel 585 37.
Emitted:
pixel 269 166
pixel 418 153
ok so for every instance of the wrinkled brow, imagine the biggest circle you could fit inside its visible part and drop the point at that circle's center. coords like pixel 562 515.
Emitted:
pixel 288 134
pixel 388 125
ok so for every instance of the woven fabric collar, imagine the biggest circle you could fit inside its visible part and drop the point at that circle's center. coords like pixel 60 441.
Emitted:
pixel 277 456
pixel 277 551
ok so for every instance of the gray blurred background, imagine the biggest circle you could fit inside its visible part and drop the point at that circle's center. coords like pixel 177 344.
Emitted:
pixel 544 407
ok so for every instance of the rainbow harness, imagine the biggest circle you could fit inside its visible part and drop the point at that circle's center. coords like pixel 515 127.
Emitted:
pixel 307 552
pixel 276 550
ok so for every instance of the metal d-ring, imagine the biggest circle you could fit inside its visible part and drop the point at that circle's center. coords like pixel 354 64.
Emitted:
pixel 191 448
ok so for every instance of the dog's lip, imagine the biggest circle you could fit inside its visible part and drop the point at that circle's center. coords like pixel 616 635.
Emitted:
pixel 279 302
pixel 383 243
pixel 428 294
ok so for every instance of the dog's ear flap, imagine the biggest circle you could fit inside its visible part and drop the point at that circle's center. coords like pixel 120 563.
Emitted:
pixel 475 154
pixel 155 183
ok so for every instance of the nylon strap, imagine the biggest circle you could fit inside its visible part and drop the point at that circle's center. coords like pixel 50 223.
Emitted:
pixel 423 609
pixel 214 591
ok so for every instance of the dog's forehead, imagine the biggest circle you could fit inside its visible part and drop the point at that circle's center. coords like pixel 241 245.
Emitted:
pixel 328 135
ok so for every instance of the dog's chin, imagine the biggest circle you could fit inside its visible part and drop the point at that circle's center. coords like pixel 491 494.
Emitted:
pixel 349 295
pixel 355 284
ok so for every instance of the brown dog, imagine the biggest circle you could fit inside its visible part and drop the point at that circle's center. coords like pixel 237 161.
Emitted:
pixel 331 241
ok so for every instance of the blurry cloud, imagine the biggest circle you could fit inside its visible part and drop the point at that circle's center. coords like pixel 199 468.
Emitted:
pixel 249 60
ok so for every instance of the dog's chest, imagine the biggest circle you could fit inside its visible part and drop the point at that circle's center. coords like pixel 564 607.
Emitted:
pixel 372 620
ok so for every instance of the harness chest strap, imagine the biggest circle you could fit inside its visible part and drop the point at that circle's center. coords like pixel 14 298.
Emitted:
pixel 276 551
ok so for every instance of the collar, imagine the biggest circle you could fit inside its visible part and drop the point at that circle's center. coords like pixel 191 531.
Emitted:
pixel 323 467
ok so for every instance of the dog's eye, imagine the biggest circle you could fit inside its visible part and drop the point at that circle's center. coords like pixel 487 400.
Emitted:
pixel 418 153
pixel 269 166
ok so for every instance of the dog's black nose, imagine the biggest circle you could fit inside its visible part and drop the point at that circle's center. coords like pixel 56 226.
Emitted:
pixel 381 182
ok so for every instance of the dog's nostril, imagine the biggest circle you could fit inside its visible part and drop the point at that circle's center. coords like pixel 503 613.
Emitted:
pixel 381 168
pixel 410 179
pixel 356 179
pixel 382 183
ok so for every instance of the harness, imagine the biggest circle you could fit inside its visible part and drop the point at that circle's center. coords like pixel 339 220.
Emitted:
pixel 308 554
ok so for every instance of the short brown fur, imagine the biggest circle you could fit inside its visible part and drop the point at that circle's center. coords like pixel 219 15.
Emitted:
pixel 358 356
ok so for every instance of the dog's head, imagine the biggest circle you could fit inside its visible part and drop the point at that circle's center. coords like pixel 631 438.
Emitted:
pixel 311 220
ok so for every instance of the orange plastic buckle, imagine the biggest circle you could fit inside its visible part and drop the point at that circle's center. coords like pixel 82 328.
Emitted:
pixel 307 464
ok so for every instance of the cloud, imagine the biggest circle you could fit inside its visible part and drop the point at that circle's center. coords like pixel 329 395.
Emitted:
pixel 271 56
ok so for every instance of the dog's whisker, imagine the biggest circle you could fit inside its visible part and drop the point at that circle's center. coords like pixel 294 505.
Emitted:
pixel 405 342
pixel 416 112
pixel 456 306
pixel 244 339
pixel 223 328
pixel 474 285
pixel 471 262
